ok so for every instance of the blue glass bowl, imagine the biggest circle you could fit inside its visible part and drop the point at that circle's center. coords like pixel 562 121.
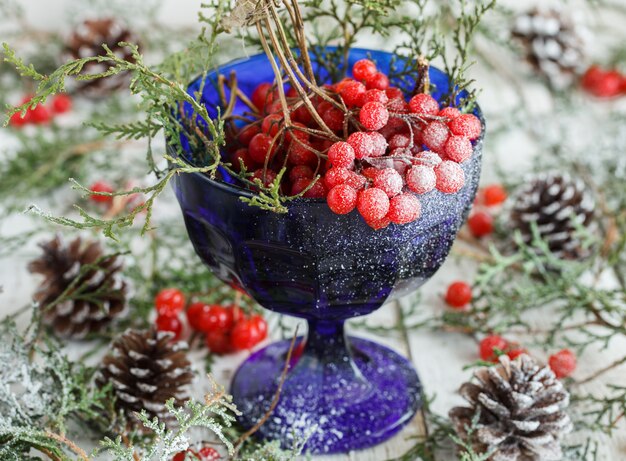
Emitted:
pixel 344 393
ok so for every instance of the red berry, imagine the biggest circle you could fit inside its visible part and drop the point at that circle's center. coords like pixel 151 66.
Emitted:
pixel 333 118
pixel 389 181
pixel 101 186
pixel 373 204
pixel 394 93
pixel 421 179
pixel 435 136
pixel 213 318
pixel 17 120
pixel 248 333
pixel 378 81
pixel 235 314
pixel 602 83
pixel 335 176
pixel 363 69
pixel 259 148
pixel 427 158
pixel 466 125
pixel 480 224
pixel 40 114
pixel 490 345
pixel 459 294
pixel 515 351
pixel 241 156
pixel 375 96
pixel 218 342
pixel 266 176
pixel 398 141
pixel 248 132
pixel 61 103
pixel 404 208
pixel 450 177
pixel 194 311
pixel 458 148
pixel 342 199
pixel 271 124
pixel 317 190
pixel 181 456
pixel 352 93
pixel 169 301
pixel 563 363
pixel 296 131
pixel 169 323
pixel 374 116
pixel 301 171
pixel 424 105
pixel 494 194
pixel 209 454
pixel 449 112
pixel 377 224
pixel 262 95
pixel 356 181
pixel 372 144
pixel 301 154
pixel 341 154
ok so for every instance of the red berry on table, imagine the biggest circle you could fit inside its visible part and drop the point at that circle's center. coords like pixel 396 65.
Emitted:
pixel 449 113
pixel 271 124
pixel 373 204
pixel 342 199
pixel 375 96
pixel 373 116
pixel 494 194
pixel 435 136
pixel 301 171
pixel 424 104
pixel 169 323
pixel 378 81
pixel 480 224
pixel 421 179
pixel 404 208
pixel 61 103
pixel 248 333
pixel 352 93
pixel 458 148
pixel 389 181
pixel 489 347
pixel 169 301
pixel 40 114
pixel 260 146
pixel 450 177
pixel 341 154
pixel 563 363
pixel 262 95
pixel 101 186
pixel 218 342
pixel 467 125
pixel 459 294
pixel 209 454
pixel 363 69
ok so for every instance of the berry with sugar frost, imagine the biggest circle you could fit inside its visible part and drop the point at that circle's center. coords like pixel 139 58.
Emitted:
pixel 563 363
pixel 435 136
pixel 404 208
pixel 373 116
pixel 458 148
pixel 421 179
pixel 491 346
pixel 467 125
pixel 424 105
pixel 342 199
pixel 450 177
pixel 341 154
pixel 389 181
pixel 373 204
pixel 363 69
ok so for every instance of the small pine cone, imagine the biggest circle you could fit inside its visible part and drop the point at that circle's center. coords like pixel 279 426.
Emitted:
pixel 553 45
pixel 520 407
pixel 93 296
pixel 145 370
pixel 87 40
pixel 557 204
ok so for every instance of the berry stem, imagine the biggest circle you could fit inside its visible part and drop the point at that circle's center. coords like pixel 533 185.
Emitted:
pixel 422 83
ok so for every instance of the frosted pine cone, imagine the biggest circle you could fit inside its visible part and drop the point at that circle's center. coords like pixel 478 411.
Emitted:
pixel 557 204
pixel 553 45
pixel 521 411
pixel 146 369
pixel 92 296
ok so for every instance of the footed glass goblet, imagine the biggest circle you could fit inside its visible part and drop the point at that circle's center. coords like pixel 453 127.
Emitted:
pixel 342 392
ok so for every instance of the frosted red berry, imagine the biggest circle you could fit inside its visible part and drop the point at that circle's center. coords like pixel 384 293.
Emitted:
pixel 424 105
pixel 378 81
pixel 458 148
pixel 261 147
pixel 341 154
pixel 262 96
pixel 450 177
pixel 435 136
pixel 493 195
pixel 398 141
pixel 352 93
pixel 375 96
pixel 373 204
pixel 366 144
pixel 373 116
pixel 377 224
pixel 421 179
pixel 480 224
pixel 389 181
pixel 491 346
pixel 171 324
pixel 428 158
pixel 459 294
pixel 209 454
pixel 342 199
pixel 394 93
pixel 61 103
pixel 101 186
pixel 449 113
pixel 467 125
pixel 363 69
pixel 404 208
pixel 356 181
pixel 336 176
pixel 563 363
pixel 169 301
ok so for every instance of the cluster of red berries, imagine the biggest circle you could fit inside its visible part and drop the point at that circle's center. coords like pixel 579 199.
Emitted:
pixel 562 363
pixel 226 328
pixel 604 83
pixel 41 114
pixel 203 454
pixel 391 149
pixel 481 222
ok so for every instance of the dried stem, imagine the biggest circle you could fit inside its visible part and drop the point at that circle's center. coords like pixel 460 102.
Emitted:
pixel 68 443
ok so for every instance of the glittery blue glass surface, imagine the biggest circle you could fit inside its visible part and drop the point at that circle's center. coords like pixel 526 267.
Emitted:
pixel 344 393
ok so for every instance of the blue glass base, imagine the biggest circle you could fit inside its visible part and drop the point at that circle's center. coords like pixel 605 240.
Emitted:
pixel 341 405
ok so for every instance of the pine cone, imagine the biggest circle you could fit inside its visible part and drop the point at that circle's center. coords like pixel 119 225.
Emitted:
pixel 95 296
pixel 520 407
pixel 146 369
pixel 557 204
pixel 87 40
pixel 553 45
